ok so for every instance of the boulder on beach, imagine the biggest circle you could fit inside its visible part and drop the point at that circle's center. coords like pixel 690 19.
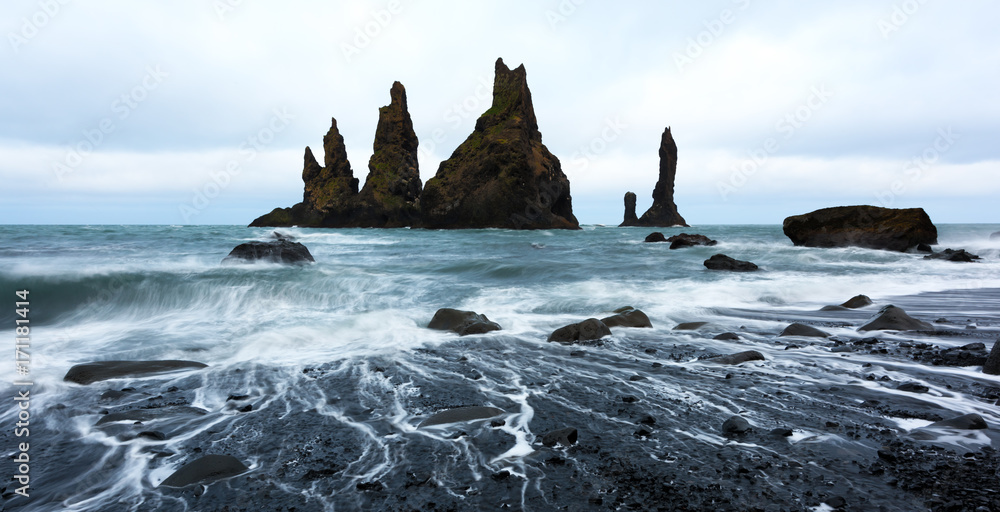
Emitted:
pixel 723 262
pixel 738 358
pixel 663 212
pixel 204 470
pixel 858 301
pixel 735 425
pixel 588 330
pixel 685 240
pixel 278 251
pixel 727 336
pixel 654 237
pixel 808 331
pixel 992 364
pixel 502 176
pixel 627 317
pixel 88 373
pixel 462 322
pixel 959 256
pixel 892 318
pixel 461 414
pixel 870 227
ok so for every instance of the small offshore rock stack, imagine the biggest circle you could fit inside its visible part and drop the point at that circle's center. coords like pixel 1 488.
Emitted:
pixel 391 193
pixel 502 176
pixel 663 212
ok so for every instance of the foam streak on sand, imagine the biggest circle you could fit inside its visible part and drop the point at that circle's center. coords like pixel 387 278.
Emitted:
pixel 319 376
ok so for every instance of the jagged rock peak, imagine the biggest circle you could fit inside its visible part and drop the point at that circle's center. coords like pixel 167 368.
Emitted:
pixel 663 212
pixel 329 189
pixel 511 100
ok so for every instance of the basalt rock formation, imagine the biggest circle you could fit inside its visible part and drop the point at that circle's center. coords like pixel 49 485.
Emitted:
pixel 870 227
pixel 663 213
pixel 391 193
pixel 630 218
pixel 502 176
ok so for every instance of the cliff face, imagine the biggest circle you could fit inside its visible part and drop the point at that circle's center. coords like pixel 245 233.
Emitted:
pixel 502 176
pixel 663 213
pixel 390 197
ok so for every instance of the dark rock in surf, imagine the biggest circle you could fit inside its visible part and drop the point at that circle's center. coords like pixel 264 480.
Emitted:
pixel 154 435
pixel 870 227
pixel 461 414
pixel 808 331
pixel 590 329
pixel 738 358
pixel 858 301
pixel 959 256
pixel 995 236
pixel 663 212
pixel 736 425
pixel 279 251
pixel 627 317
pixel 913 387
pixel 727 336
pixel 966 422
pixel 723 262
pixel 685 240
pixel 924 248
pixel 462 322
pixel 992 364
pixel 655 237
pixel 205 470
pixel 88 373
pixel 690 326
pixel 892 318
pixel 564 437
pixel 145 415
pixel 502 176
pixel 277 235
pixel 630 218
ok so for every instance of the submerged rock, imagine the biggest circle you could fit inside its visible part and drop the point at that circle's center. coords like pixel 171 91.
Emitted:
pixel 207 469
pixel 502 176
pixel 278 251
pixel 462 322
pixel 870 227
pixel 88 373
pixel 627 317
pixel 590 329
pixel 738 358
pixel 565 437
pixel 663 212
pixel 960 256
pixel 992 364
pixel 809 331
pixel 892 318
pixel 630 218
pixel 461 414
pixel 685 240
pixel 723 262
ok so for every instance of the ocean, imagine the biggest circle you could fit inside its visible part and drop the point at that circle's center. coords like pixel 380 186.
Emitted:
pixel 319 375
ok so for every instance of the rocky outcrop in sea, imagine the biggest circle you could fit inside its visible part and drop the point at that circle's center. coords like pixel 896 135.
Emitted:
pixel 663 212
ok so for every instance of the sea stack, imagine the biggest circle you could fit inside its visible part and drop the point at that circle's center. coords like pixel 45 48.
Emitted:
pixel 502 176
pixel 663 213
pixel 630 218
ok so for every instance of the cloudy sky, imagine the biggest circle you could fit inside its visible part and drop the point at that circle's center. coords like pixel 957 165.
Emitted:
pixel 198 111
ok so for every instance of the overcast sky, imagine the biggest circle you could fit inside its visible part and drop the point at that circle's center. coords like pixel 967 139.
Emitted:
pixel 198 111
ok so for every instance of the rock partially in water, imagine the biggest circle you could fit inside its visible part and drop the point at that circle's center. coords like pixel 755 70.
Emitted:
pixel 913 387
pixel 959 256
pixel 686 240
pixel 654 237
pixel 808 331
pixel 971 421
pixel 727 336
pixel 627 317
pixel 870 227
pixel 736 425
pixel 205 470
pixel 690 326
pixel 723 262
pixel 462 322
pixel 858 301
pixel 564 437
pixel 88 373
pixel 630 217
pixel 278 251
pixel 738 358
pixel 590 329
pixel 461 414
pixel 663 211
pixel 146 415
pixel 892 318
pixel 992 364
